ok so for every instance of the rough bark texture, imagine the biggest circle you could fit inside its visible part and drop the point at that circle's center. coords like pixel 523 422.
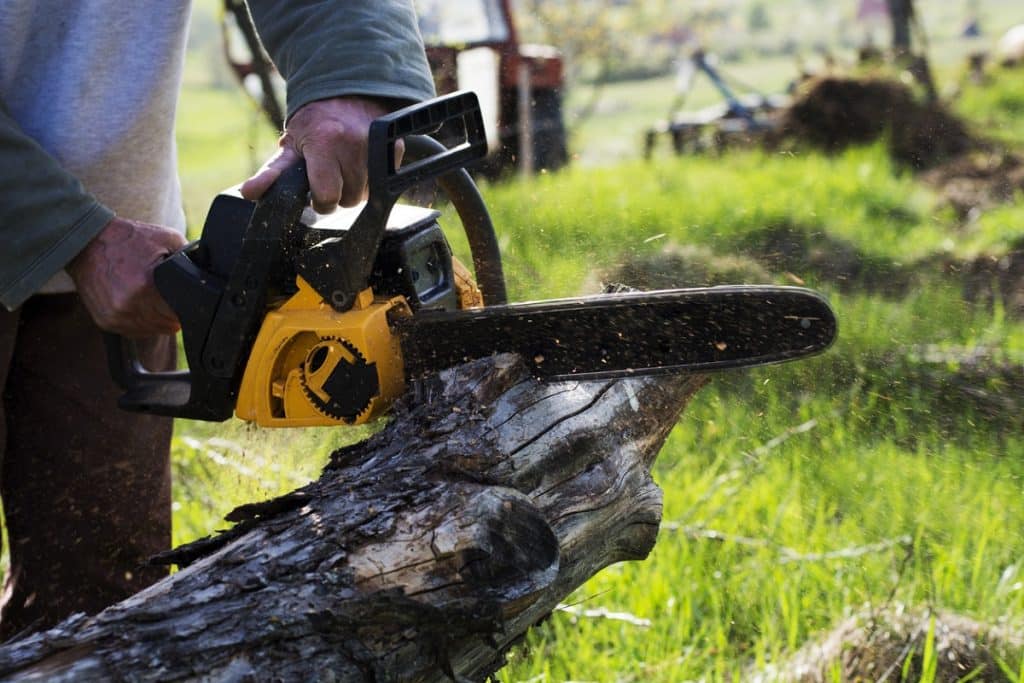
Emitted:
pixel 421 554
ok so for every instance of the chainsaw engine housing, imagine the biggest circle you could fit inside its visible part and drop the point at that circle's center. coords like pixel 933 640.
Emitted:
pixel 314 366
pixel 311 365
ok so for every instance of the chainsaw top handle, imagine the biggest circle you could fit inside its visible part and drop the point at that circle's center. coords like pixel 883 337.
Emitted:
pixel 357 248
pixel 221 304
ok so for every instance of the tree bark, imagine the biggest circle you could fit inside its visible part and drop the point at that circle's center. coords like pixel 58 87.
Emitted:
pixel 421 554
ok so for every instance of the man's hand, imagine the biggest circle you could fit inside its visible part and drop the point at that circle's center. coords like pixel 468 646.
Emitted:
pixel 332 137
pixel 114 277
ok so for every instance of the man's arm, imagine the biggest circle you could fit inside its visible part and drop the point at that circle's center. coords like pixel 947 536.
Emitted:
pixel 48 221
pixel 46 216
pixel 345 65
pixel 325 49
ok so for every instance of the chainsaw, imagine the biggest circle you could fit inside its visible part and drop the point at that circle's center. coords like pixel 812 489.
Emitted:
pixel 291 319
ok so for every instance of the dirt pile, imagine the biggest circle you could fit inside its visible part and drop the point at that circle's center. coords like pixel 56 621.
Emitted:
pixel 685 265
pixel 783 254
pixel 996 278
pixel 891 646
pixel 833 113
pixel 979 181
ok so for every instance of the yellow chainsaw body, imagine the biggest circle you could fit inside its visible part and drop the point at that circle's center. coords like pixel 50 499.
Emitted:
pixel 291 378
pixel 297 355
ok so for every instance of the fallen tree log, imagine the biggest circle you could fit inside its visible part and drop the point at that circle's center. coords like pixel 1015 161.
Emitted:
pixel 421 554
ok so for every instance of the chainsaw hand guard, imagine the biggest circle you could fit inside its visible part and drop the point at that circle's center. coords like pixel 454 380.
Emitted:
pixel 357 247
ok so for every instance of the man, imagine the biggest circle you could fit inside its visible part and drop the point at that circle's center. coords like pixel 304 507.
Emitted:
pixel 89 202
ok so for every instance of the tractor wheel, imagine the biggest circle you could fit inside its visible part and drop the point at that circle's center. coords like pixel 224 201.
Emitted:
pixel 549 138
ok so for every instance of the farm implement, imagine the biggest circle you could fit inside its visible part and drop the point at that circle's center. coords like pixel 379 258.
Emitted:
pixel 738 119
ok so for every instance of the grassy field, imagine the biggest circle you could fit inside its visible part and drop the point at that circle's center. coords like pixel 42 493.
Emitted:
pixel 771 475
pixel 794 495
pixel 775 480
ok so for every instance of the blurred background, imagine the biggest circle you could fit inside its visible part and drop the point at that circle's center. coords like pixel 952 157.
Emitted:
pixel 856 516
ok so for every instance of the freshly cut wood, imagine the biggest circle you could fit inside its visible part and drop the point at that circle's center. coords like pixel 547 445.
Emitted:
pixel 421 554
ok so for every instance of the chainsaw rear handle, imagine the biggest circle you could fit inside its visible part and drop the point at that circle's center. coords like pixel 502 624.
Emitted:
pixel 220 308
pixel 159 393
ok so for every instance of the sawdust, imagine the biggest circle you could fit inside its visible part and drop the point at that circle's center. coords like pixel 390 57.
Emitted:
pixel 813 254
pixel 833 113
pixel 786 254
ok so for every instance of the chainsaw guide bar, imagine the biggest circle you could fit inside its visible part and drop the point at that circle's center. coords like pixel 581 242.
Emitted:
pixel 627 334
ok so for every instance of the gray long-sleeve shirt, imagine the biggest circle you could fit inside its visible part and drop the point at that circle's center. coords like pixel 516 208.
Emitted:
pixel 87 101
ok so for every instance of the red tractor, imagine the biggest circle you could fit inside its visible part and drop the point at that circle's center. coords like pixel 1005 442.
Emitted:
pixel 471 45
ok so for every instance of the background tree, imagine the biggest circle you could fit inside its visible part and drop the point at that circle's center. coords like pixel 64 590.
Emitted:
pixel 901 14
pixel 758 19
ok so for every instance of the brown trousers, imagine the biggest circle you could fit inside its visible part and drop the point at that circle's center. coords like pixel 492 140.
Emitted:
pixel 85 486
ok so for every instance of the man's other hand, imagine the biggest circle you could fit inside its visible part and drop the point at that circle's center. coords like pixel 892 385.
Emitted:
pixel 114 277
pixel 332 136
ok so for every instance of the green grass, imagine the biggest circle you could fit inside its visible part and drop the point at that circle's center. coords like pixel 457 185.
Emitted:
pixel 755 590
pixel 996 106
pixel 926 497
pixel 927 523
pixel 600 214
pixel 794 495
pixel 222 139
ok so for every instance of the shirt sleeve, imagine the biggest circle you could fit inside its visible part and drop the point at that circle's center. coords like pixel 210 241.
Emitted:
pixel 327 48
pixel 46 216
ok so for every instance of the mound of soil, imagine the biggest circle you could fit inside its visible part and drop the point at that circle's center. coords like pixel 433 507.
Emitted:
pixel 789 254
pixel 775 254
pixel 686 266
pixel 979 181
pixel 991 279
pixel 812 253
pixel 880 646
pixel 833 113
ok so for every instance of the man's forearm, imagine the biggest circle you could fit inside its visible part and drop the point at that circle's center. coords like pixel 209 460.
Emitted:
pixel 46 216
pixel 360 47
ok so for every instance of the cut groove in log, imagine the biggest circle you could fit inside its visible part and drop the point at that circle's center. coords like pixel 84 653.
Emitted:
pixel 421 554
